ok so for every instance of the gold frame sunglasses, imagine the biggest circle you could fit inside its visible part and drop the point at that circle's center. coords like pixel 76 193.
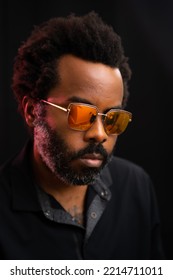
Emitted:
pixel 82 116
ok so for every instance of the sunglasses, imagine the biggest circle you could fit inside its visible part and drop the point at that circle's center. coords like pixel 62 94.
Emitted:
pixel 81 117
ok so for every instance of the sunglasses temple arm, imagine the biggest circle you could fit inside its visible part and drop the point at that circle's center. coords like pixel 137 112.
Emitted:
pixel 54 105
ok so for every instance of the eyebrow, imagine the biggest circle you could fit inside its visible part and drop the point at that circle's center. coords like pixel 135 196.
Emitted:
pixel 79 99
pixel 83 100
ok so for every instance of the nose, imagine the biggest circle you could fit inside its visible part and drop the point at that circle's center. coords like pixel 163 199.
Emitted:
pixel 96 132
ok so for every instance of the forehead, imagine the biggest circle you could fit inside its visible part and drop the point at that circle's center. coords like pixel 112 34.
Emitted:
pixel 95 82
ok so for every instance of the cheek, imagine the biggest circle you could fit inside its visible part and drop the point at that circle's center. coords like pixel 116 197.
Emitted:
pixel 110 143
pixel 74 139
pixel 57 121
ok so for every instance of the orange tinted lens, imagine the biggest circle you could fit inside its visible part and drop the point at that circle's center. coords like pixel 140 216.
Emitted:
pixel 116 122
pixel 81 117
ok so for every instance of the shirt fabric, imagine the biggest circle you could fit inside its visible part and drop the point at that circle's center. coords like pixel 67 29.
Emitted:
pixel 121 216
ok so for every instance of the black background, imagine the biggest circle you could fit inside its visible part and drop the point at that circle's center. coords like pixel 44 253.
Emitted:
pixel 146 29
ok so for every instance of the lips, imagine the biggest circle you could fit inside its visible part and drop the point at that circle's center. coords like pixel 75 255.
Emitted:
pixel 92 160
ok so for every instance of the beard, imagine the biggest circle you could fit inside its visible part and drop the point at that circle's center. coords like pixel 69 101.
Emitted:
pixel 58 157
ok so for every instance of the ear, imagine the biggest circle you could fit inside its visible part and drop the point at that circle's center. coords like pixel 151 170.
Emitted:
pixel 28 105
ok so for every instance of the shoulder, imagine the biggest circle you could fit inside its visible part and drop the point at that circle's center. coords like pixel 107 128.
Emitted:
pixel 5 170
pixel 13 167
pixel 129 176
pixel 126 167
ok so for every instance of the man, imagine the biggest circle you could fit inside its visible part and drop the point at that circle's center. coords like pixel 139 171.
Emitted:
pixel 65 196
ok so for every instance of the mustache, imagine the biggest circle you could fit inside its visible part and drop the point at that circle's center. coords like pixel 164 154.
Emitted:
pixel 92 148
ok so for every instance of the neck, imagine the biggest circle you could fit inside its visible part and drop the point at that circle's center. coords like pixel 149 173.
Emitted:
pixel 71 197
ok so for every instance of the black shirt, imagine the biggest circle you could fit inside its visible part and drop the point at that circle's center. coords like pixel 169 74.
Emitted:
pixel 121 219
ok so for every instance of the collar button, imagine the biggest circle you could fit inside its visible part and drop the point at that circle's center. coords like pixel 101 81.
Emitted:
pixel 93 215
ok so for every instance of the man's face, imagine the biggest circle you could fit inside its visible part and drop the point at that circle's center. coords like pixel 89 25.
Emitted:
pixel 77 157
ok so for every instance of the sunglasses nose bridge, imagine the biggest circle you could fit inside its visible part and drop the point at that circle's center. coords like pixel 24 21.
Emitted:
pixel 97 130
pixel 100 123
pixel 103 117
pixel 101 114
